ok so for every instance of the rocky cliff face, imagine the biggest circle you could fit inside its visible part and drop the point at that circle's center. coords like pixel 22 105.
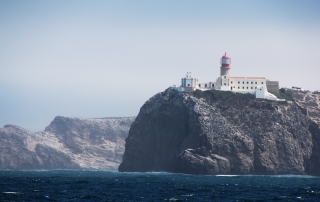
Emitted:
pixel 310 101
pixel 67 143
pixel 214 132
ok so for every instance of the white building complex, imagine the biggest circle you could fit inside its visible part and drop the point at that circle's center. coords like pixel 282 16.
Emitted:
pixel 225 82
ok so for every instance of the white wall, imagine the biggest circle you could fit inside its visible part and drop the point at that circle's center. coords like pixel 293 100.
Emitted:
pixel 246 83
pixel 188 82
pixel 225 88
pixel 206 85
pixel 260 92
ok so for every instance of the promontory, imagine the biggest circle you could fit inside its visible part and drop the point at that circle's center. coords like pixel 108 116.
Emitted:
pixel 221 132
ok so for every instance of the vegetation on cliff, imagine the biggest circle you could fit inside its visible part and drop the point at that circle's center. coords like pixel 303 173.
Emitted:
pixel 217 95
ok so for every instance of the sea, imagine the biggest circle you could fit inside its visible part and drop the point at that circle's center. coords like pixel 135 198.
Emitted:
pixel 75 185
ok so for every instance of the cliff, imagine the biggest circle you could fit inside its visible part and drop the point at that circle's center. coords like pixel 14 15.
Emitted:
pixel 215 132
pixel 67 143
pixel 308 101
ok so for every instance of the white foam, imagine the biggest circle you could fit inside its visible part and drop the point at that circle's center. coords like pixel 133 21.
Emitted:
pixel 227 175
pixel 10 192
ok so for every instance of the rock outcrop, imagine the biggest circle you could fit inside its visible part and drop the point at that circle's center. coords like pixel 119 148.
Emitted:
pixel 67 143
pixel 308 101
pixel 216 132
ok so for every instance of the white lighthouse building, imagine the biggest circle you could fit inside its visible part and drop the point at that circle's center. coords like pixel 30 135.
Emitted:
pixel 225 82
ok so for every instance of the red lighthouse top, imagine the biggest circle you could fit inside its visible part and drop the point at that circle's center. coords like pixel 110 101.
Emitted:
pixel 225 56
pixel 225 61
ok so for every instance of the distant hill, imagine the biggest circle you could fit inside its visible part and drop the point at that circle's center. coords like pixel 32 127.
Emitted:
pixel 67 143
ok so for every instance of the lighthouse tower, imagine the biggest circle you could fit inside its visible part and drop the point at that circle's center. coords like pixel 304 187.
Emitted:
pixel 225 65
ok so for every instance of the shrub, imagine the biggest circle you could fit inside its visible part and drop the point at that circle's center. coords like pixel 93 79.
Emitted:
pixel 221 95
pixel 284 94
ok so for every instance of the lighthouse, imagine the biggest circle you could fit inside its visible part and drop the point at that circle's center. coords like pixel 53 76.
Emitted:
pixel 257 86
pixel 225 65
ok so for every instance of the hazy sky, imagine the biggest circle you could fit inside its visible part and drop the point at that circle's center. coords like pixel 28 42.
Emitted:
pixel 106 58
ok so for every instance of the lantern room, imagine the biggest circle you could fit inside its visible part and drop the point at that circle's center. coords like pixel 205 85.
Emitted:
pixel 225 61
pixel 225 65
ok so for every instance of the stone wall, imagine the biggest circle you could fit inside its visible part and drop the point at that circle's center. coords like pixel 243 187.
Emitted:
pixel 273 87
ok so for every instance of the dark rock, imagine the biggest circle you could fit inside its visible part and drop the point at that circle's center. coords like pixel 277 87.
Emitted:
pixel 216 132
pixel 194 162
pixel 313 164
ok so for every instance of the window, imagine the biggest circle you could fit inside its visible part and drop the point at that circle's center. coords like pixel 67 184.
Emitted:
pixel 212 85
pixel 251 87
pixel 199 85
pixel 242 82
pixel 261 82
pixel 231 81
pixel 247 87
pixel 256 82
pixel 238 87
pixel 247 82
pixel 188 84
pixel 225 84
pixel 256 87
pixel 251 82
pixel 205 85
pixel 238 82
pixel 224 76
pixel 243 87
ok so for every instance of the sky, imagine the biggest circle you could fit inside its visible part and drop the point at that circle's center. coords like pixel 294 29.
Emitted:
pixel 96 59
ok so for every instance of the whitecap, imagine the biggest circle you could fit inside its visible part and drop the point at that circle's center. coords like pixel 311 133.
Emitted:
pixel 293 176
pixel 227 175
pixel 188 195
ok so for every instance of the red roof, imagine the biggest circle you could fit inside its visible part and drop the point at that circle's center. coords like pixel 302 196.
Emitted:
pixel 242 77
pixel 255 78
pixel 225 55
